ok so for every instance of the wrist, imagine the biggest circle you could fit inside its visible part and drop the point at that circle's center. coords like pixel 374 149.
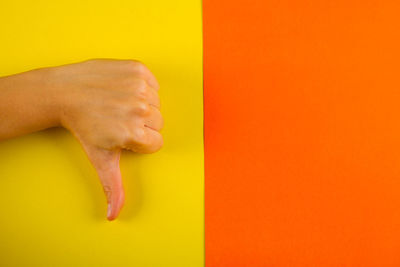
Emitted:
pixel 53 84
pixel 49 96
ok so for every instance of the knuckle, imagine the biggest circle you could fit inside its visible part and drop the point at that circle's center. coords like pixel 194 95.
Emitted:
pixel 141 90
pixel 140 84
pixel 139 135
pixel 142 108
pixel 140 67
pixel 136 87
pixel 136 66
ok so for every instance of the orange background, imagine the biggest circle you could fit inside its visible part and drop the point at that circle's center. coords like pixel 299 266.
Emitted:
pixel 302 133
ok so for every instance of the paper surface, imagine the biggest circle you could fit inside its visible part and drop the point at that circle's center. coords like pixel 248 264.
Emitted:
pixel 302 133
pixel 53 210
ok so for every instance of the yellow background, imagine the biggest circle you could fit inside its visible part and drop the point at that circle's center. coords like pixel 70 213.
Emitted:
pixel 53 211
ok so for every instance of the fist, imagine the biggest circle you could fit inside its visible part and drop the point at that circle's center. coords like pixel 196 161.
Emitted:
pixel 110 105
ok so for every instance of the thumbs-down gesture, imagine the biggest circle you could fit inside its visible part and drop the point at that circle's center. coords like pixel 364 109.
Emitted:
pixel 108 105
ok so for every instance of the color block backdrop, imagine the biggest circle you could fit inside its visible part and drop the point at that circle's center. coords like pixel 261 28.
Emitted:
pixel 302 133
pixel 53 209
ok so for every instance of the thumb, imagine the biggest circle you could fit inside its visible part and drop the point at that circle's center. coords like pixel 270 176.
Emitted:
pixel 106 163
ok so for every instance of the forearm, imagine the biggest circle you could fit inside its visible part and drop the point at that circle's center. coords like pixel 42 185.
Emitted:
pixel 27 103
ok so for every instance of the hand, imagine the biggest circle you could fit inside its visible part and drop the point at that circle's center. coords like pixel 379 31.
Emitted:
pixel 109 105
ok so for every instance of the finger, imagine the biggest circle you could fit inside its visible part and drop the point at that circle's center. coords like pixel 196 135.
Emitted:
pixel 153 143
pixel 154 120
pixel 151 79
pixel 106 164
pixel 148 75
pixel 153 98
pixel 146 140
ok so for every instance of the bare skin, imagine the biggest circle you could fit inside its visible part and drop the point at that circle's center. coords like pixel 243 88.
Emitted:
pixel 108 105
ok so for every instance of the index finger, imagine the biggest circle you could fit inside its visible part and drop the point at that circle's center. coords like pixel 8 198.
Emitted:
pixel 147 75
